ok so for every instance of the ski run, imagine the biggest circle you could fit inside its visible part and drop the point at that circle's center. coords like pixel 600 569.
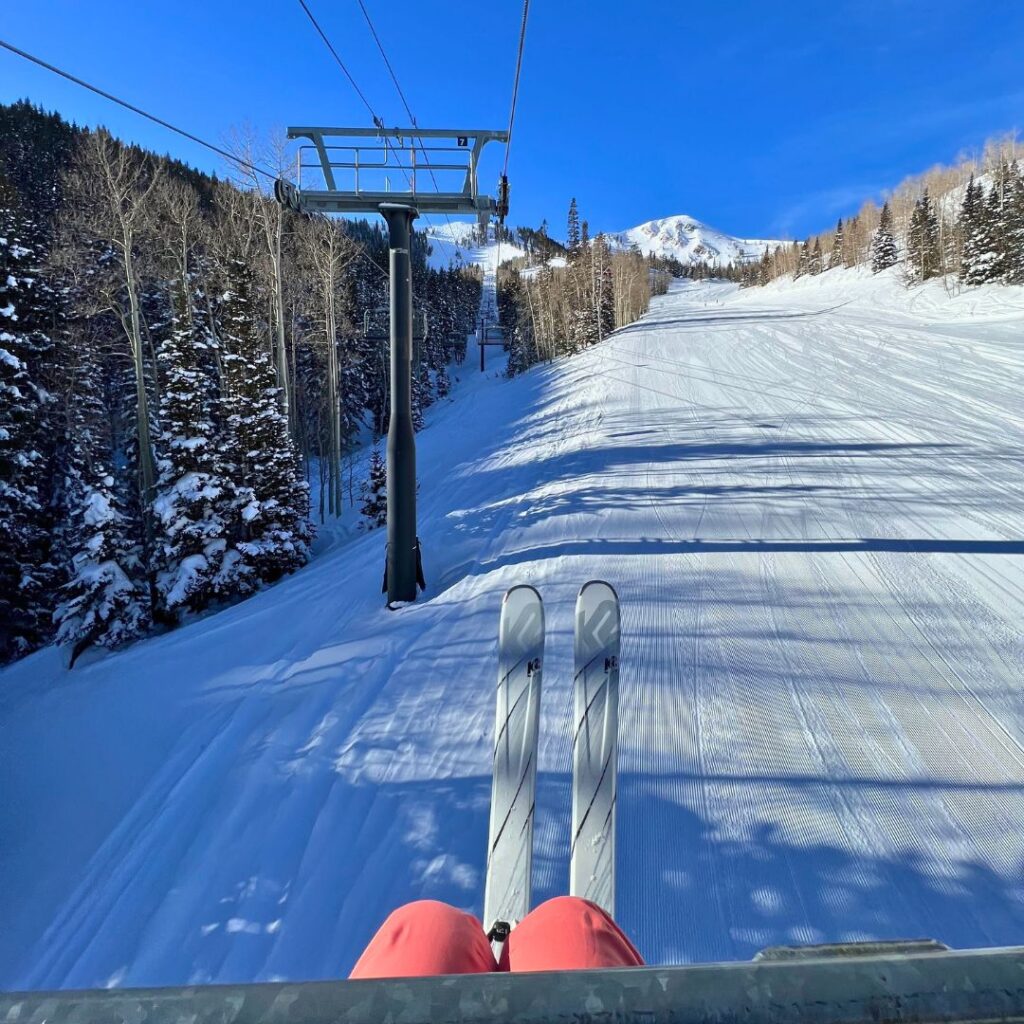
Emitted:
pixel 809 500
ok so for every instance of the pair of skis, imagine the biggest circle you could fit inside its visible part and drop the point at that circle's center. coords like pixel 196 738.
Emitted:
pixel 514 785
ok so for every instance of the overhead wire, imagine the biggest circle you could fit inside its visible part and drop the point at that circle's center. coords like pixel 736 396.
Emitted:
pixel 405 104
pixel 340 62
pixel 231 157
pixel 515 84
pixel 377 121
pixel 511 123
pixel 137 110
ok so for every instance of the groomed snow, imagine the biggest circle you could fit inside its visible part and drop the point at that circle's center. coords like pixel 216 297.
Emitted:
pixel 810 501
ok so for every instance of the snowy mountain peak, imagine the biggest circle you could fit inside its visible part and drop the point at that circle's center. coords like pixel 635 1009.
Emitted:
pixel 680 237
pixel 689 240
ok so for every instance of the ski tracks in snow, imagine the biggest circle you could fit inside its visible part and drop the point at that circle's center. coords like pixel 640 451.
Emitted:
pixel 811 506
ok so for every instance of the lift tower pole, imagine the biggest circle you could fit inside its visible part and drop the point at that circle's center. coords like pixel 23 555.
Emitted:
pixel 403 558
pixel 368 160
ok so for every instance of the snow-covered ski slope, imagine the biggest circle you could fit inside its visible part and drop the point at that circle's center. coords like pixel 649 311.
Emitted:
pixel 809 498
pixel 452 242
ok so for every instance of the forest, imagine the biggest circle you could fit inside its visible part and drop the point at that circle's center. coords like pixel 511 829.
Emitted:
pixel 183 364
pixel 577 295
pixel 963 224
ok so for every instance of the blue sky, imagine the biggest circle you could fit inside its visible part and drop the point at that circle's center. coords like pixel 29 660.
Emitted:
pixel 763 119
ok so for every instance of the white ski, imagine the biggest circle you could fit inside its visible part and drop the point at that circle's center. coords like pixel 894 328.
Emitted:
pixel 514 782
pixel 595 743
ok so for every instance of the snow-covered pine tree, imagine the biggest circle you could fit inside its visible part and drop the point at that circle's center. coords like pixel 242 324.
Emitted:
pixel 923 254
pixel 815 264
pixel 271 502
pixel 375 492
pixel 883 245
pixel 443 382
pixel 24 534
pixel 803 265
pixel 192 507
pixel 105 602
pixel 572 237
pixel 764 269
pixel 836 259
pixel 986 248
pixel 972 215
pixel 422 396
pixel 1013 225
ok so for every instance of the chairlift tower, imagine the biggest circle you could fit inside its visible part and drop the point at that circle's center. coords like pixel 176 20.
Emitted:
pixel 381 170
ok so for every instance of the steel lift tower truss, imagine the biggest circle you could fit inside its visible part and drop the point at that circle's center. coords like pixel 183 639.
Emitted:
pixel 399 173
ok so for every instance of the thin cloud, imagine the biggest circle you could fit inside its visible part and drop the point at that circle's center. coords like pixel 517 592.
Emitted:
pixel 822 205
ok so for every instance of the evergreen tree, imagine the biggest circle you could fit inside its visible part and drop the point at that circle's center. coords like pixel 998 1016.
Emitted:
pixel 375 492
pixel 24 534
pixel 883 245
pixel 443 382
pixel 972 215
pixel 815 263
pixel 193 501
pixel 923 255
pixel 986 255
pixel 836 259
pixel 271 500
pixel 105 601
pixel 1012 234
pixel 572 238
pixel 422 398
pixel 803 265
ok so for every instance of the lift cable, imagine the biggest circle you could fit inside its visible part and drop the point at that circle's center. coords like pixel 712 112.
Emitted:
pixel 515 83
pixel 377 121
pixel 391 70
pixel 408 110
pixel 138 110
pixel 405 102
pixel 508 141
pixel 341 63
pixel 231 157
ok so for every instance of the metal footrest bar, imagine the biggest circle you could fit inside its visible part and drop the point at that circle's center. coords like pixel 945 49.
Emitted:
pixel 970 987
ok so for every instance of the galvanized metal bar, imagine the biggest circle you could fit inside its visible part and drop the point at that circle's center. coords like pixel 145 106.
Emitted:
pixel 368 202
pixel 407 140
pixel 397 133
pixel 350 164
pixel 324 162
pixel 967 987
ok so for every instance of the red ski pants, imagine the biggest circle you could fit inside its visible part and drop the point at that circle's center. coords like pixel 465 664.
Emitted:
pixel 427 938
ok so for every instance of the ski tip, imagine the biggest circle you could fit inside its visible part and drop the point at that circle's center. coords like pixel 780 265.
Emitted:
pixel 520 587
pixel 595 584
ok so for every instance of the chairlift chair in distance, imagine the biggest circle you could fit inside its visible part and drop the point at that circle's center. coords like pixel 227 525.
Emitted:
pixel 376 327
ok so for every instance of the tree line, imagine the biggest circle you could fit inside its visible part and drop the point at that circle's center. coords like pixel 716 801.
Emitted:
pixel 963 224
pixel 564 305
pixel 180 360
